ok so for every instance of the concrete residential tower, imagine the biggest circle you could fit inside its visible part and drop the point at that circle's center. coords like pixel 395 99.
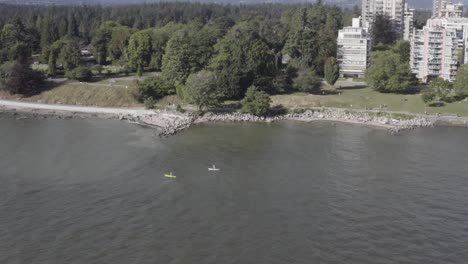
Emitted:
pixel 442 45
pixel 447 8
pixel 354 46
pixel 394 9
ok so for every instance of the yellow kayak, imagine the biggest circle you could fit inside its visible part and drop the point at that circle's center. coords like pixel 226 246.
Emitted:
pixel 170 176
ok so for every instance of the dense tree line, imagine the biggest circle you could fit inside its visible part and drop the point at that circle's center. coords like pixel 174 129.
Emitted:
pixel 236 47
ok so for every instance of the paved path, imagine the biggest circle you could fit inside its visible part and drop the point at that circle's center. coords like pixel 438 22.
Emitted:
pixel 72 108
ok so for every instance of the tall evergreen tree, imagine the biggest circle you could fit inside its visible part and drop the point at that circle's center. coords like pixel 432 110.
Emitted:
pixel 331 71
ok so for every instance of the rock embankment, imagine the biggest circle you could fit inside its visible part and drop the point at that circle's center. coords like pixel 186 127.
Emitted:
pixel 171 123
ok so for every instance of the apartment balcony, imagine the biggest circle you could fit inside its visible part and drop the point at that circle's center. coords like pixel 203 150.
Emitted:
pixel 434 67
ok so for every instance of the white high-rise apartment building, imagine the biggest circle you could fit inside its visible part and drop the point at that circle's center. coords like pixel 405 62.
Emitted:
pixel 408 23
pixel 353 53
pixel 438 5
pixel 434 51
pixel 447 8
pixel 452 11
pixel 394 9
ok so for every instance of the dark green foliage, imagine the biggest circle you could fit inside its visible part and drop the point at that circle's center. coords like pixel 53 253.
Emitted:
pixel 428 96
pixel 420 17
pixel 461 84
pixel 256 102
pixel 101 41
pixel 307 81
pixel 16 42
pixel 150 103
pixel 438 90
pixel 139 51
pixel 153 87
pixel 243 45
pixel 331 71
pixel 383 30
pixel 242 57
pixel 117 46
pixel 388 73
pixel 65 52
pixel 402 48
pixel 187 51
pixel 81 74
pixel 202 90
pixel 70 54
pixel 283 81
pixel 311 34
pixel 17 77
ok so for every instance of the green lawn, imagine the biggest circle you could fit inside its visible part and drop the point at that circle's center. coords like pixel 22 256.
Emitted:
pixel 82 94
pixel 367 98
pixel 114 82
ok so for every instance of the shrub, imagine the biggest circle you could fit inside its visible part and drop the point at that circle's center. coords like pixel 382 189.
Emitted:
pixel 437 91
pixel 81 74
pixel 98 68
pixel 19 78
pixel 461 84
pixel 150 103
pixel 331 71
pixel 256 102
pixel 153 87
pixel 202 89
pixel 307 81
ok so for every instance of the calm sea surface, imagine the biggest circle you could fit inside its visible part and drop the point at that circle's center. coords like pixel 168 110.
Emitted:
pixel 94 191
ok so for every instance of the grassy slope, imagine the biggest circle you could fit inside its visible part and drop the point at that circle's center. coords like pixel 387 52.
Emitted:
pixel 107 96
pixel 367 98
pixel 83 94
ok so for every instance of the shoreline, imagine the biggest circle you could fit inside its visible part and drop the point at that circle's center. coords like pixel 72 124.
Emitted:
pixel 170 122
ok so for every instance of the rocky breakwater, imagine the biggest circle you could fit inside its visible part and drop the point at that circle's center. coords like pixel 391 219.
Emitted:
pixel 167 123
pixel 394 124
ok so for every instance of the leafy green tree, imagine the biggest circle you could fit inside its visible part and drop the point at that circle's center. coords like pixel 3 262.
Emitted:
pixel 19 51
pixel 49 32
pixel 301 42
pixel 118 43
pixel 202 89
pixel 438 90
pixel 383 30
pixel 428 96
pixel 17 77
pixel 73 30
pixel 159 39
pixel 53 54
pixel 403 48
pixel 307 81
pixel 101 41
pixel 81 74
pixel 65 52
pixel 242 56
pixel 311 35
pixel 331 71
pixel 152 87
pixel 139 51
pixel 188 50
pixel 256 102
pixel 388 74
pixel 15 42
pixel 70 54
pixel 461 83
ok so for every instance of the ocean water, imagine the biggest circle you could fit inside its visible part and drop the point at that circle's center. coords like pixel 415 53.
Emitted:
pixel 94 191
